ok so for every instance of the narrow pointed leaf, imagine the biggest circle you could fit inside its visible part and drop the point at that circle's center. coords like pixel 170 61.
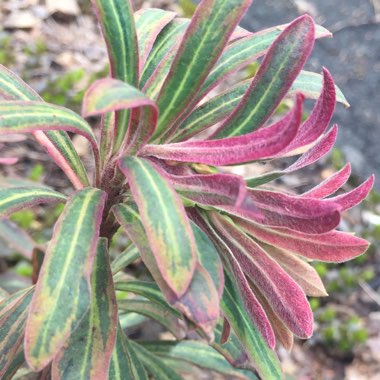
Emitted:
pixel 264 358
pixel 353 197
pixel 203 43
pixel 15 238
pixel 163 44
pixel 108 95
pixel 18 198
pixel 118 26
pixel 149 23
pixel 331 184
pixel 12 325
pixel 160 314
pixel 211 189
pixel 200 302
pixel 57 308
pixel 87 353
pixel 29 117
pixel 311 84
pixel 165 222
pixel 286 297
pixel 260 144
pixel 198 354
pixel 125 364
pixel 334 246
pixel 280 68
pixel 125 258
pixel 301 272
pixel 319 118
pixel 320 149
pixel 154 365
pixel 17 362
pixel 57 143
pixel 270 208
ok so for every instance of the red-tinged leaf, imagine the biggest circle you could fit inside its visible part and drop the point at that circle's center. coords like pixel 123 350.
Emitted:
pixel 309 215
pixel 331 184
pixel 16 363
pixel 282 333
pixel 320 149
pixel 211 189
pixel 319 118
pixel 260 144
pixel 8 160
pixel 301 272
pixel 205 38
pixel 334 246
pixel 17 198
pixel 226 331
pixel 281 66
pixel 87 353
pixel 108 95
pixel 264 359
pixel 56 143
pixel 149 23
pixel 16 238
pixel 118 27
pixel 165 222
pixel 13 313
pixel 56 308
pixel 248 298
pixel 353 197
pixel 286 297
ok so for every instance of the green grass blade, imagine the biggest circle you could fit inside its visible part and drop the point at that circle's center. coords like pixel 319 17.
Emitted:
pixel 203 43
pixel 18 198
pixel 88 352
pixel 62 295
pixel 118 26
pixel 165 221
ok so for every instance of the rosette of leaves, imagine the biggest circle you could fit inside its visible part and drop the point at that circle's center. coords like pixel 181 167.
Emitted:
pixel 228 256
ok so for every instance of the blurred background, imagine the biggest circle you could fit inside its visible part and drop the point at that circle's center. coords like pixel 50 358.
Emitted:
pixel 56 46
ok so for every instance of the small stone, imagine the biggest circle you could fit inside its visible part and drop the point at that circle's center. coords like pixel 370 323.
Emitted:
pixel 21 20
pixel 68 8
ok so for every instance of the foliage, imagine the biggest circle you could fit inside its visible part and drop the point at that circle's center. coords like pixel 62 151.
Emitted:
pixel 228 258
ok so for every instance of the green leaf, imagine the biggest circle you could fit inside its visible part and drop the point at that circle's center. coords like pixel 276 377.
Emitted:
pixel 154 365
pixel 108 95
pixel 88 352
pixel 15 238
pixel 18 198
pixel 198 354
pixel 13 315
pixel 28 117
pixel 118 25
pixel 163 44
pixel 311 84
pixel 280 67
pixel 62 295
pixel 58 142
pixel 125 258
pixel 203 43
pixel 264 358
pixel 125 364
pixel 17 362
pixel 167 317
pixel 166 224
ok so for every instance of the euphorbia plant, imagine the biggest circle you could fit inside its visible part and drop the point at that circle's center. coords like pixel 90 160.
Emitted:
pixel 228 256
